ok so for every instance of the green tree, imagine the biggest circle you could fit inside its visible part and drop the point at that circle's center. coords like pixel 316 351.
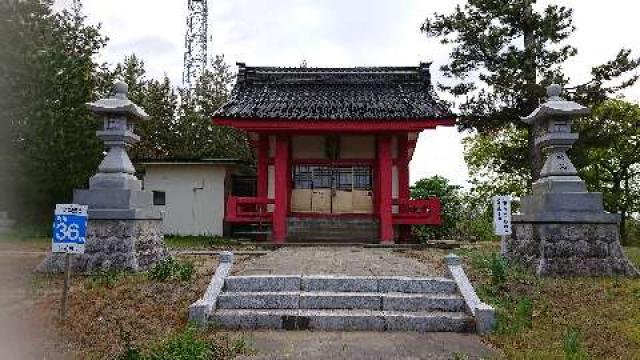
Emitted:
pixel 608 157
pixel 160 101
pixel 504 53
pixel 198 137
pixel 50 74
pixel 489 157
pixel 450 202
pixel 181 120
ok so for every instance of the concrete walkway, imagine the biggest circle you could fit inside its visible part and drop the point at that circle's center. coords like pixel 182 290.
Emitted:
pixel 355 261
pixel 365 345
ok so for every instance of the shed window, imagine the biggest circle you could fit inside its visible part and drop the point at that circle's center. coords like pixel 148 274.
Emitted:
pixel 159 198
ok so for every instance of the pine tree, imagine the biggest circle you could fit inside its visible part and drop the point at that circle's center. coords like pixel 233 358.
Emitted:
pixel 504 55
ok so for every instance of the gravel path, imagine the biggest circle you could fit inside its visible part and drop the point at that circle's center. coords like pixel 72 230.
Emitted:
pixel 336 260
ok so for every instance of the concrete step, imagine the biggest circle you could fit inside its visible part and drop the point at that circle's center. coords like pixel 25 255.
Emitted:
pixel 341 300
pixel 253 283
pixel 342 320
pixel 339 283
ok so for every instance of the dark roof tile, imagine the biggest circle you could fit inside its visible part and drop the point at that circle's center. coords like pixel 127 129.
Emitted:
pixel 361 93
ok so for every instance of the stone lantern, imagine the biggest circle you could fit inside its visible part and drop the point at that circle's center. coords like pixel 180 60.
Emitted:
pixel 124 232
pixel 562 229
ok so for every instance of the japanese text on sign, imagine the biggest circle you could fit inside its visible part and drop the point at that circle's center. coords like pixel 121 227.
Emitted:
pixel 502 215
pixel 69 228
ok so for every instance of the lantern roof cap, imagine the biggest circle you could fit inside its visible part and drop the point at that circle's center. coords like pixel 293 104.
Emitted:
pixel 118 103
pixel 555 106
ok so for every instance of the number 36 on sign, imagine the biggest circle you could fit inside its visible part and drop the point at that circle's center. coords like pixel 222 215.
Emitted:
pixel 69 228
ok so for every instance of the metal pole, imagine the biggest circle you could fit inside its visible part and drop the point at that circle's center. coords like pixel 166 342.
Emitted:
pixel 67 281
pixel 503 245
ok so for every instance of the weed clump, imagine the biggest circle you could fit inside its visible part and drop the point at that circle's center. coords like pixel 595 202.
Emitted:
pixel 171 269
pixel 187 344
pixel 103 279
pixel 572 346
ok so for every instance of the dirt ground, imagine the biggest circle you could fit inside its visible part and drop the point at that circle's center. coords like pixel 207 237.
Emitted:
pixel 106 313
pixel 26 328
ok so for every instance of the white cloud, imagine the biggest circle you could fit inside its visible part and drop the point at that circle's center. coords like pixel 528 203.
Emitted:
pixel 340 33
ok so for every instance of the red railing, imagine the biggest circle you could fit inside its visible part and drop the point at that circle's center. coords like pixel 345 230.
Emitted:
pixel 411 212
pixel 418 212
pixel 248 210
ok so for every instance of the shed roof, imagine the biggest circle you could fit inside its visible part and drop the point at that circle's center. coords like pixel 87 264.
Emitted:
pixel 359 93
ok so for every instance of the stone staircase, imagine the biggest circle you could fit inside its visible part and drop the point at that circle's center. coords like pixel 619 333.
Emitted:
pixel 338 229
pixel 334 302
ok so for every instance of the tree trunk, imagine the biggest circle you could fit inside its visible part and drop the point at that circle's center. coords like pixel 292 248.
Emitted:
pixel 530 97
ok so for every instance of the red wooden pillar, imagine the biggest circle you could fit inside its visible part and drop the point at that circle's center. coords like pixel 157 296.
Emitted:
pixel 280 211
pixel 385 203
pixel 403 183
pixel 403 167
pixel 263 166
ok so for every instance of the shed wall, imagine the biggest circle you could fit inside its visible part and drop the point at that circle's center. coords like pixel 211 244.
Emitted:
pixel 194 197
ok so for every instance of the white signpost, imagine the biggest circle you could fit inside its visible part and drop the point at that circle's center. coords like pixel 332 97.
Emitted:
pixel 69 237
pixel 502 219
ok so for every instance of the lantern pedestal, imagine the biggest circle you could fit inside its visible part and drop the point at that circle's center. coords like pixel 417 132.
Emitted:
pixel 124 231
pixel 562 229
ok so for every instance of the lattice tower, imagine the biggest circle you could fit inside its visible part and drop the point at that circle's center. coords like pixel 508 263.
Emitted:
pixel 195 42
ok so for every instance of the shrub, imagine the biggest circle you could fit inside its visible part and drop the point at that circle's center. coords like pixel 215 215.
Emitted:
pixel 171 269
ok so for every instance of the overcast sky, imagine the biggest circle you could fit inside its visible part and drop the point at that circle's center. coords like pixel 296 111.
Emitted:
pixel 340 33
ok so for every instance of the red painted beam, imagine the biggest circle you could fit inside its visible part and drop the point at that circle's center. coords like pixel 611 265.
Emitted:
pixel 364 125
pixel 385 200
pixel 279 227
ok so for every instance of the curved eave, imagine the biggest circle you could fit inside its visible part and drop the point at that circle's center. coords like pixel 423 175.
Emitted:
pixel 557 108
pixel 363 125
pixel 117 106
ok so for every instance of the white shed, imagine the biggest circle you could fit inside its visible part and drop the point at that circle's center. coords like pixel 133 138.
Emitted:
pixel 190 194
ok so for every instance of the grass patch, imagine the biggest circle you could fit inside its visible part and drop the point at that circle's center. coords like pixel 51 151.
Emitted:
pixel 556 318
pixel 197 242
pixel 187 344
pixel 633 253
pixel 171 269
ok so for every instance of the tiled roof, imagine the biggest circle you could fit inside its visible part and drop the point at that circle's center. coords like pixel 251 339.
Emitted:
pixel 361 93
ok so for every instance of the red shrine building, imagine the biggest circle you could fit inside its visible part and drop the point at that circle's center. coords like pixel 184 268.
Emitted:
pixel 333 147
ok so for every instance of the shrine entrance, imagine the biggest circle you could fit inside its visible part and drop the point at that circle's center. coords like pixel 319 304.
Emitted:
pixel 329 189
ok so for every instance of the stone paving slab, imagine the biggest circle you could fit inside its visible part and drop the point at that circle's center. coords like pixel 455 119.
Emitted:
pixel 353 261
pixel 312 345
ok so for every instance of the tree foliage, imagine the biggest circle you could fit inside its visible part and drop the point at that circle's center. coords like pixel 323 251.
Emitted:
pixel 505 52
pixel 608 157
pixel 47 74
pixel 50 74
pixel 450 202
pixel 465 215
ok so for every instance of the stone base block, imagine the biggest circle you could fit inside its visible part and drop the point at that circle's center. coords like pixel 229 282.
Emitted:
pixel 569 249
pixel 115 245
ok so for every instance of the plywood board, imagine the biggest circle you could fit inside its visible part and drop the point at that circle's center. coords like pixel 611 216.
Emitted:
pixel 301 200
pixel 321 200
pixel 342 202
pixel 362 201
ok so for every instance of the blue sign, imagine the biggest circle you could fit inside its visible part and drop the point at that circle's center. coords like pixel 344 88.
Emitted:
pixel 69 228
